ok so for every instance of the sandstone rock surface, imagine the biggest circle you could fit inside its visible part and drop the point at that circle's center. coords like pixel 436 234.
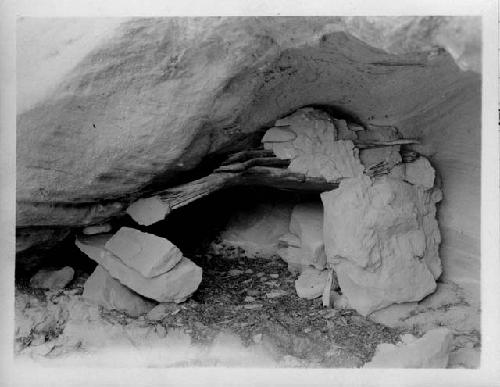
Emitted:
pixel 108 292
pixel 175 285
pixel 382 238
pixel 52 279
pixel 430 351
pixel 148 254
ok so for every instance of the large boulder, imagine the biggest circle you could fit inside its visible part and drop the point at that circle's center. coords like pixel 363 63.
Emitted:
pixel 383 239
pixel 108 292
pixel 175 285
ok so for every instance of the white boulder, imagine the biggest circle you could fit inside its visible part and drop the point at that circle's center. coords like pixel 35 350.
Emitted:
pixel 106 291
pixel 430 351
pixel 382 239
pixel 175 285
pixel 52 279
pixel 148 254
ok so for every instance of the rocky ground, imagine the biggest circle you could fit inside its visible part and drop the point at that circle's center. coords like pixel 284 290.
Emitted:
pixel 248 301
pixel 245 313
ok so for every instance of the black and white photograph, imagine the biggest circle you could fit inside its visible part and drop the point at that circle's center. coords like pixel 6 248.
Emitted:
pixel 240 191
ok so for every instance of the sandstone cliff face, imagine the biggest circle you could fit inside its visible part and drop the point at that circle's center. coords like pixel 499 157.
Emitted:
pixel 153 99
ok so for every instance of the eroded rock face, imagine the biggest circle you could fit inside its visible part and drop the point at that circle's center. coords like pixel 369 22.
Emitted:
pixel 382 239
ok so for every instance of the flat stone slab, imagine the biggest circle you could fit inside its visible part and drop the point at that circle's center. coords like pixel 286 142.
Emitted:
pixel 175 285
pixel 149 254
pixel 108 292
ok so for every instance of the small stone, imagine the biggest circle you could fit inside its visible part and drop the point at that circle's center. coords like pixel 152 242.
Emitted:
pixel 160 311
pixel 161 331
pixel 248 271
pixel 146 253
pixel 99 229
pixel 252 306
pixel 274 275
pixel 311 283
pixel 38 339
pixel 276 294
pixel 257 338
pixel 340 301
pixel 260 274
pixel 249 299
pixel 234 272
pixel 252 292
pixel 307 330
pixel 331 313
pixel 52 279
